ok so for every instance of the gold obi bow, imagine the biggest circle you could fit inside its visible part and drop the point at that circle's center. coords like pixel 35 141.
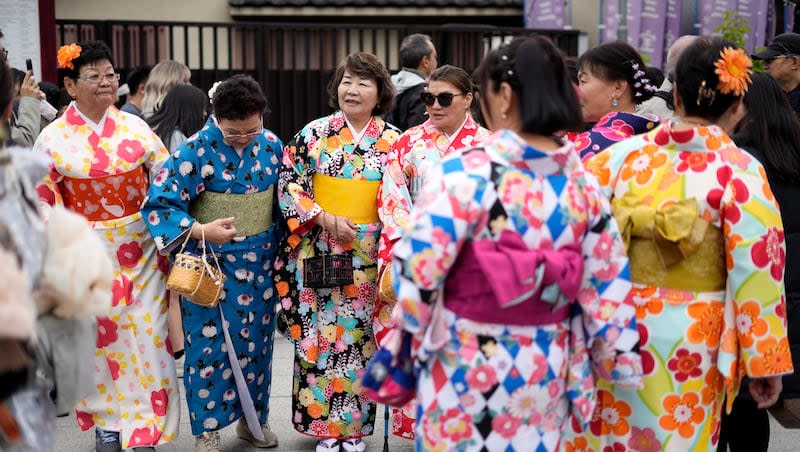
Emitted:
pixel 676 229
pixel 671 246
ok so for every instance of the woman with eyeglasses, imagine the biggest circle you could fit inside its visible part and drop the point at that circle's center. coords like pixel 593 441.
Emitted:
pixel 329 183
pixel 103 162
pixel 447 98
pixel 612 79
pixel 219 186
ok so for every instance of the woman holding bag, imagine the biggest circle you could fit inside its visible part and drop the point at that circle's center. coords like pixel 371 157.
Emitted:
pixel 328 194
pixel 218 188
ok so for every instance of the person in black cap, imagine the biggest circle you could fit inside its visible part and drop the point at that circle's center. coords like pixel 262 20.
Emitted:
pixel 782 61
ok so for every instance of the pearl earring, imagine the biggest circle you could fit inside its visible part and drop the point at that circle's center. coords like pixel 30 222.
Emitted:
pixel 504 115
pixel 614 102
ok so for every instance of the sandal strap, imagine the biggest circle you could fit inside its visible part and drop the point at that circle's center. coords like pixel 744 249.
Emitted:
pixel 354 445
pixel 328 445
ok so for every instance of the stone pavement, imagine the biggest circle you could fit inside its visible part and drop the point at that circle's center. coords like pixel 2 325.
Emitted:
pixel 70 439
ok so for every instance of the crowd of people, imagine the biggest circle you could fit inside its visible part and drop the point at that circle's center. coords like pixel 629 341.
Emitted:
pixel 546 254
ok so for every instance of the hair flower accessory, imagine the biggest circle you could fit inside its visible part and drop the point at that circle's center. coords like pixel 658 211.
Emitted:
pixel 68 53
pixel 733 69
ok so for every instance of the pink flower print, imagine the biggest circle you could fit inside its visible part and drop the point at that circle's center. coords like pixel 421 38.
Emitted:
pixel 130 150
pixel 643 440
pixel 481 378
pixel 685 365
pixel 740 194
pixel 307 296
pixel 159 400
pixel 129 254
pixel 602 249
pixel 85 420
pixel 113 368
pixel 144 437
pixel 506 425
pixel 456 425
pixel 608 273
pixel 106 332
pixel 319 427
pixel 769 251
pixel 616 447
pixel 475 159
pixel 540 362
pixel 122 291
pixel 244 299
pixel 206 372
pixel 161 177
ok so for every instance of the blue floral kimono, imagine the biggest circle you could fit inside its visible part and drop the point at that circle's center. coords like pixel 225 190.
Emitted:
pixel 205 162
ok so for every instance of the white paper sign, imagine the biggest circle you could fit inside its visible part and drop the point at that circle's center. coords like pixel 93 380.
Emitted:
pixel 19 22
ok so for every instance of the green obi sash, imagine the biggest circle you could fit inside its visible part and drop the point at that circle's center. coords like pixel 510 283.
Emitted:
pixel 252 211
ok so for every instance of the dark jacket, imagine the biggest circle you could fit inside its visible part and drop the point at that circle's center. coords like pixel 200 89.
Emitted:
pixel 787 193
pixel 408 110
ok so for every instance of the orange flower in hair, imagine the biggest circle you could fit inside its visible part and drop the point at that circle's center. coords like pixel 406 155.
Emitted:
pixel 733 69
pixel 66 54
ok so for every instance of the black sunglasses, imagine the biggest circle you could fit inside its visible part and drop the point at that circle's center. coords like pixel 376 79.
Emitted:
pixel 445 99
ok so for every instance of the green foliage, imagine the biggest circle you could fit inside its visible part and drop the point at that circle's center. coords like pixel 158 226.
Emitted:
pixel 733 29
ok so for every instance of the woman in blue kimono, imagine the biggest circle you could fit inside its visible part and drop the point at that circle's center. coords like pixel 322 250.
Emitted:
pixel 220 185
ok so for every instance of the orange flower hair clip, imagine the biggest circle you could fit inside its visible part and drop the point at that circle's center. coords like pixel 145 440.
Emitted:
pixel 733 69
pixel 68 53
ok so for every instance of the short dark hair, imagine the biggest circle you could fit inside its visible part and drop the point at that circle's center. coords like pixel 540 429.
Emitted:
pixel 413 48
pixel 239 97
pixel 655 75
pixel 613 61
pixel 365 65
pixel 50 91
pixel 138 77
pixel 771 127
pixel 6 86
pixel 91 52
pixel 696 69
pixel 453 75
pixel 535 69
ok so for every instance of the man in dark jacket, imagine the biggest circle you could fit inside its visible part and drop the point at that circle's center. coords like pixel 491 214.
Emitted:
pixel 418 58
pixel 782 61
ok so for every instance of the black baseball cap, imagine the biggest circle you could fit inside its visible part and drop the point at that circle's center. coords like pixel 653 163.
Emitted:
pixel 784 44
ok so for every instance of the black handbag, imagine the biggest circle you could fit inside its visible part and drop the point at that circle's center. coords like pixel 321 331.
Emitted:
pixel 327 270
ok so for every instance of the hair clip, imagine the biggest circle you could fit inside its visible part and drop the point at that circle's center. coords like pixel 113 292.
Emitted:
pixel 705 93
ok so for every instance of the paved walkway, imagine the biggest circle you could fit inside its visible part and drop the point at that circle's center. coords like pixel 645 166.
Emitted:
pixel 70 439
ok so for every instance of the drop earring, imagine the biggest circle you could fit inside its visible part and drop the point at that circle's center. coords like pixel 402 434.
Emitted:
pixel 504 115
pixel 614 102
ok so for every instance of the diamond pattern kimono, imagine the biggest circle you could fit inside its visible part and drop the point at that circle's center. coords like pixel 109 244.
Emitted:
pixel 499 387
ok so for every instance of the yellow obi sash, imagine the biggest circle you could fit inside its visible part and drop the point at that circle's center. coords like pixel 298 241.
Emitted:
pixel 252 211
pixel 671 247
pixel 355 199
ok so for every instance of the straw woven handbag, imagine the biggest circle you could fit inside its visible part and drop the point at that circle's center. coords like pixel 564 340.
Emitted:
pixel 193 277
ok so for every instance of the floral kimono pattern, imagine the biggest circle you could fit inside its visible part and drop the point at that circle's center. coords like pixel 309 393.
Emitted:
pixel 409 160
pixel 610 129
pixel 205 162
pixel 695 345
pixel 137 390
pixel 331 328
pixel 495 386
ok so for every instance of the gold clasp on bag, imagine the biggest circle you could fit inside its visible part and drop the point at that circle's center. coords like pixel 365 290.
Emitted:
pixel 193 278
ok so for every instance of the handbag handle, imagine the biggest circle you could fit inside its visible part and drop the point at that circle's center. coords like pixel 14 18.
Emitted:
pixel 211 274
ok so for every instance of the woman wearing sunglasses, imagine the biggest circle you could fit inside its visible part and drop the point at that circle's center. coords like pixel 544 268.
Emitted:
pixel 612 83
pixel 449 127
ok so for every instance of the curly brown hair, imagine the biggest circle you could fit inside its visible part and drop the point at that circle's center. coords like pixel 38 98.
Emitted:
pixel 365 65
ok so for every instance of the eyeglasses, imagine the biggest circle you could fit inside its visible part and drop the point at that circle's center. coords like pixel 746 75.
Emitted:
pixel 240 136
pixel 445 99
pixel 95 78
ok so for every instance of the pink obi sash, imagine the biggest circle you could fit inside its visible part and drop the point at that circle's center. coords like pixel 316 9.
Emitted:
pixel 106 197
pixel 505 282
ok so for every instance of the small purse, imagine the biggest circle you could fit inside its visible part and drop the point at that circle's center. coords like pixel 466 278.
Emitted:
pixel 327 270
pixel 390 377
pixel 193 278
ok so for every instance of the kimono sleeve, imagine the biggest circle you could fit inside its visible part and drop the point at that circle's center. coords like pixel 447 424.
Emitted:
pixel 157 154
pixel 295 187
pixel 394 202
pixel 755 321
pixel 607 310
pixel 48 189
pixel 439 226
pixel 176 183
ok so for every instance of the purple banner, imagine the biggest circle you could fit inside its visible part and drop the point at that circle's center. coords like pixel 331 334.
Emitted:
pixel 544 14
pixel 634 22
pixel 755 13
pixel 651 35
pixel 788 17
pixel 611 18
pixel 770 21
pixel 711 13
pixel 673 26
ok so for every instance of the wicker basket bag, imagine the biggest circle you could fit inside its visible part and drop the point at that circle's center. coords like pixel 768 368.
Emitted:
pixel 193 278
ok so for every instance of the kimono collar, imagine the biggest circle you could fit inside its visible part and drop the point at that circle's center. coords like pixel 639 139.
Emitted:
pixel 638 122
pixel 520 154
pixel 96 126
pixel 701 139
pixel 358 134
pixel 432 129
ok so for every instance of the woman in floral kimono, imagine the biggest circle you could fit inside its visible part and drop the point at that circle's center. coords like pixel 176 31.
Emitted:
pixel 220 185
pixel 612 82
pixel 533 272
pixel 705 242
pixel 102 164
pixel 328 193
pixel 447 99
